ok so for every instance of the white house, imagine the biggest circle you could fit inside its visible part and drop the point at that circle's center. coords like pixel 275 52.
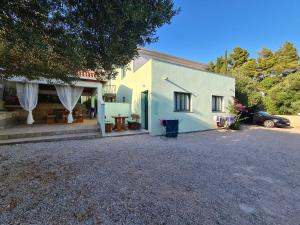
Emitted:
pixel 159 86
pixel 154 85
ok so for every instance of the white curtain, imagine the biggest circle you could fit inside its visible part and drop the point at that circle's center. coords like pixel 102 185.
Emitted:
pixel 28 97
pixel 69 96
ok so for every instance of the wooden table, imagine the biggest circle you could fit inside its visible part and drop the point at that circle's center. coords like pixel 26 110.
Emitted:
pixel 120 123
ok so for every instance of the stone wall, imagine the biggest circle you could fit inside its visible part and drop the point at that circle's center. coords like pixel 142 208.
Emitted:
pixel 295 119
pixel 9 119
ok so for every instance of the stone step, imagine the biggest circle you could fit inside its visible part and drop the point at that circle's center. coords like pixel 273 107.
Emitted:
pixel 65 137
pixel 95 129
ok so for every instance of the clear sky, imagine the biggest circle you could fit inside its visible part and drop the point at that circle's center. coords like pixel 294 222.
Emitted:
pixel 204 29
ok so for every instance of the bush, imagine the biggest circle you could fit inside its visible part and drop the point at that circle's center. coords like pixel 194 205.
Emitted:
pixel 284 98
pixel 235 126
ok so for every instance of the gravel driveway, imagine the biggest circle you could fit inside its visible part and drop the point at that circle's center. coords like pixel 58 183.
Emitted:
pixel 216 177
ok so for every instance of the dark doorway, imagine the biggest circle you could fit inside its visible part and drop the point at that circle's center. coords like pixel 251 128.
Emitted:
pixel 144 110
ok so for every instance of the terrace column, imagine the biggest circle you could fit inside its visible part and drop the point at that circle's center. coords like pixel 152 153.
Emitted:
pixel 100 110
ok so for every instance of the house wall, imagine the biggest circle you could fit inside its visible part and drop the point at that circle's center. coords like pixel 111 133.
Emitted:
pixel 115 108
pixel 131 84
pixel 201 84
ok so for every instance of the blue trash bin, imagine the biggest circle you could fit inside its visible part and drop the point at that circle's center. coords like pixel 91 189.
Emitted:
pixel 171 127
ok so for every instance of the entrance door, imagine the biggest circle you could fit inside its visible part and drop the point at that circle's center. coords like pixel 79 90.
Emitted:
pixel 144 110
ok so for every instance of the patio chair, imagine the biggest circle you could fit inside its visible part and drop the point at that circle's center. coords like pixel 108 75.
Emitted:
pixel 134 124
pixel 77 116
pixel 51 117
pixel 61 116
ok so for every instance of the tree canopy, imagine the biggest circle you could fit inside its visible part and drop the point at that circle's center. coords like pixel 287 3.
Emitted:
pixel 57 38
pixel 270 81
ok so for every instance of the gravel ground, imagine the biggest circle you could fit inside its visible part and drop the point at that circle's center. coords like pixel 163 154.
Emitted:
pixel 217 177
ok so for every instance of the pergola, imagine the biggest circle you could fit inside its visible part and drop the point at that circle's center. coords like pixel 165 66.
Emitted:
pixel 27 91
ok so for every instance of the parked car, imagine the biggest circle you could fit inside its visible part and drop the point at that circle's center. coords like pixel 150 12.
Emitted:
pixel 267 120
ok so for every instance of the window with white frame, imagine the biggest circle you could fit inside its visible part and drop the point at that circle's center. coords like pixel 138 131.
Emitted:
pixel 217 103
pixel 182 102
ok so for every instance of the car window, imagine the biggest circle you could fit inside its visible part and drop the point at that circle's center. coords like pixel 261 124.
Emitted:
pixel 262 113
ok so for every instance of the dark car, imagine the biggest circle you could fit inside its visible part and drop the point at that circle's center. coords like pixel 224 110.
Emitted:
pixel 267 120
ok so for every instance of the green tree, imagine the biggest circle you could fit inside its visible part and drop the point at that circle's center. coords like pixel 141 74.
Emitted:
pixel 269 82
pixel 286 58
pixel 266 61
pixel 278 95
pixel 211 67
pixel 247 69
pixel 224 68
pixel 219 64
pixel 247 92
pixel 238 57
pixel 284 98
pixel 56 38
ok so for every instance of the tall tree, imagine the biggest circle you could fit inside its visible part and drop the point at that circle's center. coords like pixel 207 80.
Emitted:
pixel 276 93
pixel 56 38
pixel 238 57
pixel 219 64
pixel 224 68
pixel 248 69
pixel 286 58
pixel 247 92
pixel 211 67
pixel 285 96
pixel 266 61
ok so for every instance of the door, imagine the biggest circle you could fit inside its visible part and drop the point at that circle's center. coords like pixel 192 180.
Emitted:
pixel 144 110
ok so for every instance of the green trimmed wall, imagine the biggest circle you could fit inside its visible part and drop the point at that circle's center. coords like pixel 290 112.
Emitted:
pixel 201 84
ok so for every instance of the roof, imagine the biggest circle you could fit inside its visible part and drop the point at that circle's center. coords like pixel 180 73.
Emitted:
pixel 173 59
pixel 87 74
pixel 90 75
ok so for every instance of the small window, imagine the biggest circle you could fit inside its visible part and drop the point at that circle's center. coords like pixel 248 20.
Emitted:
pixel 182 102
pixel 217 103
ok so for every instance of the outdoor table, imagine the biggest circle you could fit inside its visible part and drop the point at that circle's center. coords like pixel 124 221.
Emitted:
pixel 120 122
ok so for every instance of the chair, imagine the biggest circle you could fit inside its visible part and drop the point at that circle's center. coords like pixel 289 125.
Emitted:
pixel 50 117
pixel 61 116
pixel 134 124
pixel 77 116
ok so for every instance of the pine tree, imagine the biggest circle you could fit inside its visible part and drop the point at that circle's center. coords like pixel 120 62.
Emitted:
pixel 238 57
pixel 219 64
pixel 286 58
pixel 249 68
pixel 211 67
pixel 224 68
pixel 266 61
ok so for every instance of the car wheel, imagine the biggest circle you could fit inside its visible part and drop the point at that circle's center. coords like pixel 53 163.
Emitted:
pixel 269 123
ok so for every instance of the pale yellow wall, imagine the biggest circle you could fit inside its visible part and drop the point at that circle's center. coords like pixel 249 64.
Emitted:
pixel 132 85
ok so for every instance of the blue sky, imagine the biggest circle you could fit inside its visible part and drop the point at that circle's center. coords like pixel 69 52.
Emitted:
pixel 204 29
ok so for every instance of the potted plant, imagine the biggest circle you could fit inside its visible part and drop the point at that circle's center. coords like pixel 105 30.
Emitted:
pixel 235 109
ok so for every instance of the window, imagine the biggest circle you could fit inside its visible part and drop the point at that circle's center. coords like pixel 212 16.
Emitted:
pixel 182 102
pixel 217 103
